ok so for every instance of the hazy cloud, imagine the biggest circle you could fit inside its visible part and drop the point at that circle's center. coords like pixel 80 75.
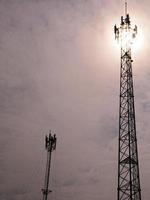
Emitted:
pixel 59 71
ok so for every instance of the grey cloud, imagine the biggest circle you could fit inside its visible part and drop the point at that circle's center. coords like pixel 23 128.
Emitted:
pixel 59 72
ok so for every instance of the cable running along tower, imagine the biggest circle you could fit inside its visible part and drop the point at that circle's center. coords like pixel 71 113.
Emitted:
pixel 128 167
pixel 50 145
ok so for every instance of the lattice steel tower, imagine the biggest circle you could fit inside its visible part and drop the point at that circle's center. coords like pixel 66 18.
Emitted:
pixel 128 167
pixel 50 145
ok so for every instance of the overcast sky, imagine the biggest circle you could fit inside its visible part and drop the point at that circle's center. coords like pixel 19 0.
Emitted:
pixel 59 70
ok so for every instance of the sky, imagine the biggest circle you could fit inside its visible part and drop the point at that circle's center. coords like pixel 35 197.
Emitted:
pixel 59 70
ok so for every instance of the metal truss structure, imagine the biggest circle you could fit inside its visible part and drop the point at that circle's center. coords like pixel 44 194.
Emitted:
pixel 50 145
pixel 128 165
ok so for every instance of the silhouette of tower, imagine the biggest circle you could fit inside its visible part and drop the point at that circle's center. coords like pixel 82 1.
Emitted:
pixel 128 167
pixel 50 145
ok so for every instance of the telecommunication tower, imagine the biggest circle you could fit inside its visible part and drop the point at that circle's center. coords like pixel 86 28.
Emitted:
pixel 128 165
pixel 50 145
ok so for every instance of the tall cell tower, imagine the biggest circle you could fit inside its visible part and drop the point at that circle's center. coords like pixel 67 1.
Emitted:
pixel 50 145
pixel 128 165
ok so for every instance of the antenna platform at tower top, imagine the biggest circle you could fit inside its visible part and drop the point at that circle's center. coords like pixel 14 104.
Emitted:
pixel 125 33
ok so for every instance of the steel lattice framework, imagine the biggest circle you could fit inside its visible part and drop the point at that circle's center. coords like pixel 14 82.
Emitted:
pixel 128 167
pixel 50 145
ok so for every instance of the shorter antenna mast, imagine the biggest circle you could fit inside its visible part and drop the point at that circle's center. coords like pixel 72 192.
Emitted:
pixel 50 145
